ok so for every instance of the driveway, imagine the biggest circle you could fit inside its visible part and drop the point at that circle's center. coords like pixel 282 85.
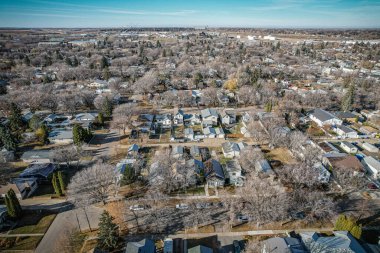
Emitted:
pixel 66 222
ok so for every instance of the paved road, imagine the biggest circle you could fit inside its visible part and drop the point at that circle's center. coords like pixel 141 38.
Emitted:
pixel 66 222
pixel 103 144
pixel 21 235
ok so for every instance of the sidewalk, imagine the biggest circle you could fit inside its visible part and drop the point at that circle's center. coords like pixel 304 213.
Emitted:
pixel 249 233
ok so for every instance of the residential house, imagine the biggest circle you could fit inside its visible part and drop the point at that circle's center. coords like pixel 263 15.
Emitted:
pixel 372 165
pixel 189 134
pixel 219 132
pixel 228 117
pixel 214 173
pixel 164 120
pixel 197 165
pixel 144 122
pixel 195 151
pixel 61 136
pixel 233 149
pixel 348 147
pixel 37 156
pixel 178 117
pixel 192 119
pixel 324 174
pixel 345 132
pixel 200 249
pixel 348 116
pixel 40 171
pixel 209 132
pixel 327 147
pixel 87 116
pixel 264 167
pixel 177 151
pixel 324 118
pixel 344 162
pixel 168 245
pixel 341 241
pixel 283 245
pixel 369 147
pixel 234 175
pixel 57 120
pixel 133 150
pixel 23 188
pixel 143 246
pixel 209 117
pixel 6 155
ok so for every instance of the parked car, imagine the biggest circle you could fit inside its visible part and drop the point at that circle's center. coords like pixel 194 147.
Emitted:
pixel 243 218
pixel 137 207
pixel 372 186
pixel 237 248
pixel 182 206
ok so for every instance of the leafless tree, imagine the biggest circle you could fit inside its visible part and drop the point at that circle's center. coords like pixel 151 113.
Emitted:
pixel 146 84
pixel 67 155
pixel 210 96
pixel 122 116
pixel 92 185
pixel 248 158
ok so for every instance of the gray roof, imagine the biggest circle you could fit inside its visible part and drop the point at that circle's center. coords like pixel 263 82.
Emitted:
pixel 214 169
pixel 194 150
pixel 264 166
pixel 209 130
pixel 189 131
pixel 346 129
pixel 61 134
pixel 322 115
pixel 372 162
pixel 233 166
pixel 284 245
pixel 143 246
pixel 37 154
pixel 348 144
pixel 134 148
pixel 38 170
pixel 344 115
pixel 177 150
pixel 230 147
pixel 200 249
pixel 342 240
pixel 209 112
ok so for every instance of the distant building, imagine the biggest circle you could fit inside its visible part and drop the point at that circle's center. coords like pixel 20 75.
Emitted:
pixel 324 118
pixel 40 171
pixel 143 246
pixel 23 187
pixel 283 245
pixel 372 166
pixel 346 132
pixel 37 156
pixel 348 147
pixel 369 147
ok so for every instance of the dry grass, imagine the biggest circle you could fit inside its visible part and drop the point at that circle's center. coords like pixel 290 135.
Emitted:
pixel 281 154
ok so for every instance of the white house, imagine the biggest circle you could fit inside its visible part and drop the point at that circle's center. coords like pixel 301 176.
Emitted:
pixel 192 119
pixel 369 147
pixel 232 149
pixel 345 132
pixel 372 165
pixel 348 147
pixel 209 132
pixel 209 117
pixel 23 187
pixel 228 117
pixel 324 174
pixel 164 120
pixel 98 84
pixel 189 133
pixel 219 132
pixel 233 170
pixel 178 117
pixel 324 118
pixel 37 156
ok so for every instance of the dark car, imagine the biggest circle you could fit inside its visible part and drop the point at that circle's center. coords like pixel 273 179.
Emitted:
pixel 372 186
pixel 237 248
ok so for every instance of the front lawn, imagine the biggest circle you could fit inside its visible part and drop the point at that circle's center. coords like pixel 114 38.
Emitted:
pixel 33 224
pixel 19 243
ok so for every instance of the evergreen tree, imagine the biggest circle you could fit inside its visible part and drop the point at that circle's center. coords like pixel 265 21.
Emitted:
pixel 106 74
pixel 158 43
pixel 268 106
pixel 10 208
pixel 100 118
pixel 43 134
pixel 15 118
pixel 356 231
pixel 27 61
pixel 56 186
pixel 348 98
pixel 80 135
pixel 14 208
pixel 108 235
pixel 68 61
pixel 103 63
pixel 61 181
pixel 7 139
pixel 34 123
pixel 164 52
pixel 128 175
pixel 107 107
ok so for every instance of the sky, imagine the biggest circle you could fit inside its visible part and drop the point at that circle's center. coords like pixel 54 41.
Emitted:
pixel 190 13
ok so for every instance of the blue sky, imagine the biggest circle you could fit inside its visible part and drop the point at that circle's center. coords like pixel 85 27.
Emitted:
pixel 213 13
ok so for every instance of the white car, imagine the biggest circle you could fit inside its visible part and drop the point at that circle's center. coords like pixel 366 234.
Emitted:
pixel 137 207
pixel 182 206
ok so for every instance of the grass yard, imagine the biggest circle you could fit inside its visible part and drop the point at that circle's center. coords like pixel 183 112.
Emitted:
pixel 19 243
pixel 279 154
pixel 33 224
